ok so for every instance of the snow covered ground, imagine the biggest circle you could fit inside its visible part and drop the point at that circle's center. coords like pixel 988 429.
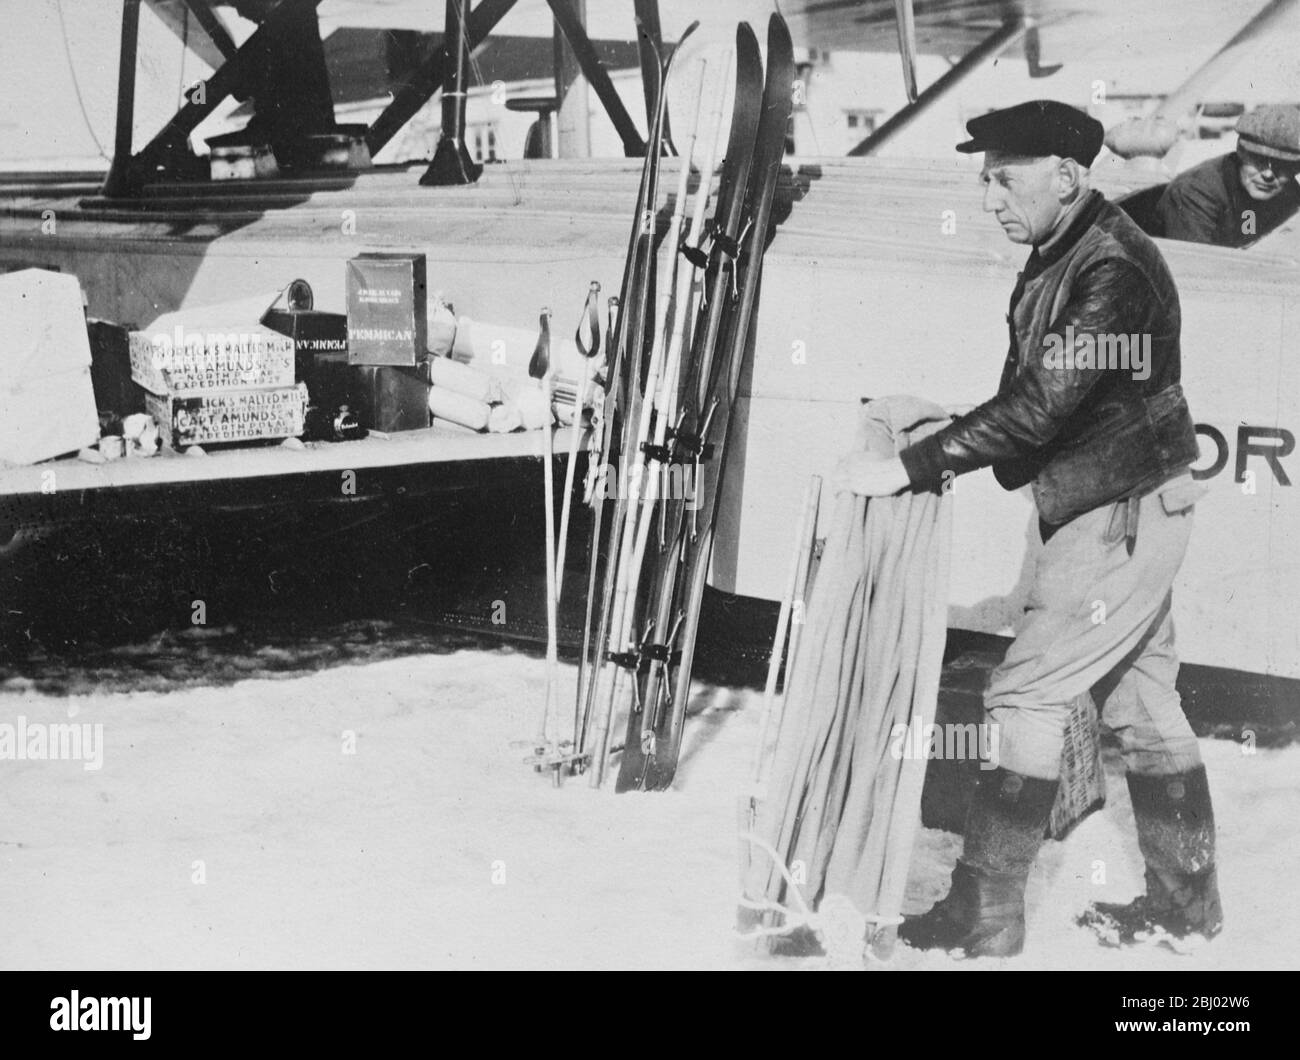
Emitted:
pixel 229 827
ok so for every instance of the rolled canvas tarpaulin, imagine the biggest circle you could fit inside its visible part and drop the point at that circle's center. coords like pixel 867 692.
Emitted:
pixel 842 805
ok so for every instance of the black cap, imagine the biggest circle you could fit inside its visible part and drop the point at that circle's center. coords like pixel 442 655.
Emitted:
pixel 1037 129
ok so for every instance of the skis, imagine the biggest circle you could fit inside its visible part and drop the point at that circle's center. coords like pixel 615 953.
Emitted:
pixel 626 571
pixel 626 345
pixel 661 376
pixel 700 430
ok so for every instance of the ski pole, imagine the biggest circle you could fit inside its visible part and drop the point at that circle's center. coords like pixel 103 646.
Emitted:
pixel 803 552
pixel 801 599
pixel 591 315
pixel 539 368
pixel 596 471
pixel 749 805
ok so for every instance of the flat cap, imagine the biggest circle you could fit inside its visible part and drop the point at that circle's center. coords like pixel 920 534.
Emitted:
pixel 1272 130
pixel 1037 129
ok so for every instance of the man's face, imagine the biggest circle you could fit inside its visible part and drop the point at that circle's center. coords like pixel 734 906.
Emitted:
pixel 1263 177
pixel 1022 194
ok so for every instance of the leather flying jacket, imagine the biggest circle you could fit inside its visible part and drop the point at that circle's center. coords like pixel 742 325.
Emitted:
pixel 1089 409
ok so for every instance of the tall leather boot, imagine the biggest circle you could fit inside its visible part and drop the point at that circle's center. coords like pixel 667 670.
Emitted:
pixel 983 914
pixel 1175 826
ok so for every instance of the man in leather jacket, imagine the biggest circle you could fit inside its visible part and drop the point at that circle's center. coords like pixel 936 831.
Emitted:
pixel 1090 414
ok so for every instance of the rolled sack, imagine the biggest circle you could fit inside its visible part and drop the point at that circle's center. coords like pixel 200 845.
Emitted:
pixel 527 410
pixel 534 409
pixel 442 327
pixel 464 380
pixel 1142 137
pixel 457 408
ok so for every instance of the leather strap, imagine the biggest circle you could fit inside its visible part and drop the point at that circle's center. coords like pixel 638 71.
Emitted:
pixel 632 660
pixel 591 316
pixel 691 445
pixel 540 363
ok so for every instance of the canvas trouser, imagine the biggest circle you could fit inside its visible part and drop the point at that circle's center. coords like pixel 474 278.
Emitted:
pixel 1099 615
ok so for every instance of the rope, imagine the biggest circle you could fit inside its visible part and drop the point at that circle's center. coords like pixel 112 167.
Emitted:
pixel 76 85
pixel 476 69
pixel 185 43
pixel 802 915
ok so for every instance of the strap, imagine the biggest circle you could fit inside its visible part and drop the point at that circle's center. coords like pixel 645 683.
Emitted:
pixel 540 363
pixel 591 316
pixel 697 256
pixel 632 660
pixel 628 660
pixel 692 445
pixel 725 244
pixel 662 653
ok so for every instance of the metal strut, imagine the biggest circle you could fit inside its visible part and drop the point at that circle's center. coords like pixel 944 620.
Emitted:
pixel 594 71
pixel 425 82
pixel 996 42
pixel 451 161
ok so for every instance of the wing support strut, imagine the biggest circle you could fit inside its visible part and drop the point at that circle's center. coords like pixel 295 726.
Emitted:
pixel 994 44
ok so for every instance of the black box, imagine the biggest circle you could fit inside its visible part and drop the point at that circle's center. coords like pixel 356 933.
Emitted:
pixel 110 369
pixel 390 399
pixel 387 306
pixel 320 352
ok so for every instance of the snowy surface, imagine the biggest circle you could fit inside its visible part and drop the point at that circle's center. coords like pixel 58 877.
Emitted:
pixel 434 846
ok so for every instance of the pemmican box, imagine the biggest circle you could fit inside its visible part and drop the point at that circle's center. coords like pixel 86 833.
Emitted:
pixel 229 415
pixel 387 311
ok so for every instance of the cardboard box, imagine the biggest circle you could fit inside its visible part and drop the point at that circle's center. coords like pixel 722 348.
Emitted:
pixel 47 399
pixel 183 359
pixel 387 309
pixel 229 415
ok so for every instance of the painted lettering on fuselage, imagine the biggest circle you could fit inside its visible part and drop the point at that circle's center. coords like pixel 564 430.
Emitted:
pixel 1254 444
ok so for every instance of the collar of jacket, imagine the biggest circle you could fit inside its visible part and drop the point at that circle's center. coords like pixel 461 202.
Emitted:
pixel 1083 218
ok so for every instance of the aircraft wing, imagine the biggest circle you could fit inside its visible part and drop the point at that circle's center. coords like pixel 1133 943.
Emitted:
pixel 1072 29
